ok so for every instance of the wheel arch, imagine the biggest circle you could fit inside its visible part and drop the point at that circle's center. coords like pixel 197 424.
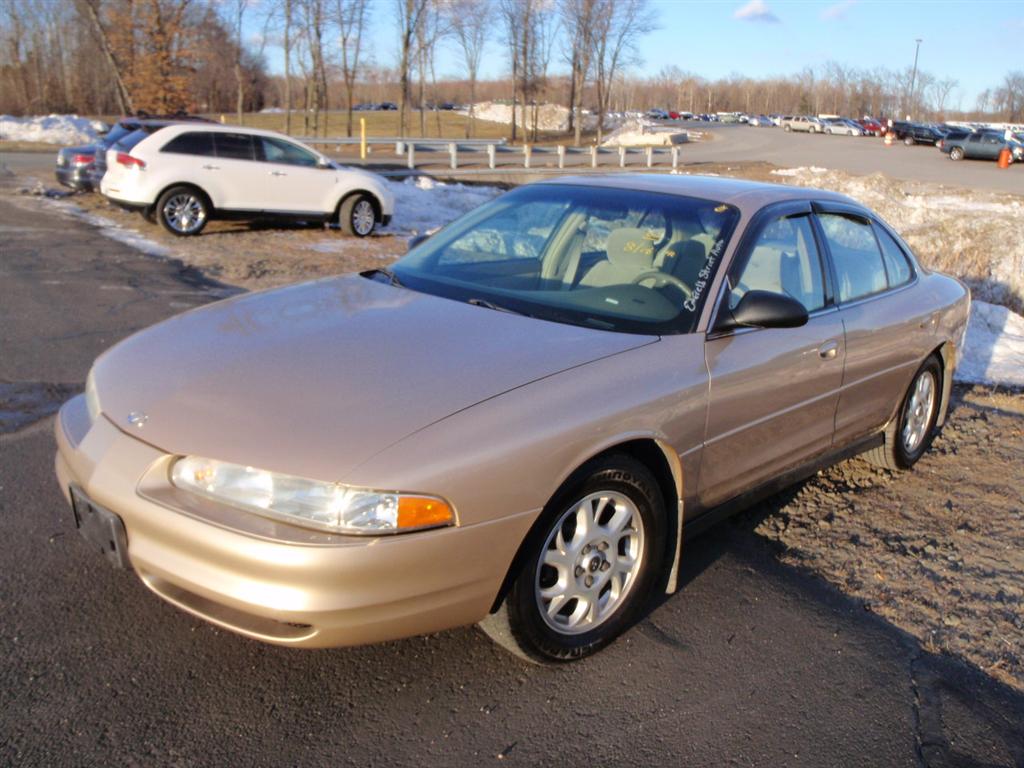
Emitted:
pixel 663 462
pixel 374 201
pixel 946 354
pixel 191 185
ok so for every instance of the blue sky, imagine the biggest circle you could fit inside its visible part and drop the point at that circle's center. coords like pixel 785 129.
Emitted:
pixel 974 42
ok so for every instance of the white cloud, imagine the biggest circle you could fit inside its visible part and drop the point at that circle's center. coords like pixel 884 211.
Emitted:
pixel 756 10
pixel 838 11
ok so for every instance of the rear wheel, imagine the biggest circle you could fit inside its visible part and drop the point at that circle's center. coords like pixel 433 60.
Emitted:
pixel 589 566
pixel 183 211
pixel 788 127
pixel 910 434
pixel 956 153
pixel 357 216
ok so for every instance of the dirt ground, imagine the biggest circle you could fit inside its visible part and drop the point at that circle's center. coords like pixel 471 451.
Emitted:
pixel 939 551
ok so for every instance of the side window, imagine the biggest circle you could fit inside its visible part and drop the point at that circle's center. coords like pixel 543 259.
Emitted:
pixel 278 151
pixel 235 146
pixel 855 255
pixel 784 260
pixel 975 138
pixel 192 143
pixel 896 264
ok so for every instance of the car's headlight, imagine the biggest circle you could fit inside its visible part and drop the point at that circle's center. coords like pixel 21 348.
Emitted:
pixel 92 399
pixel 310 503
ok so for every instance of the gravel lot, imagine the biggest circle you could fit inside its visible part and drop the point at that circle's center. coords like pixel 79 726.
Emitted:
pixel 938 552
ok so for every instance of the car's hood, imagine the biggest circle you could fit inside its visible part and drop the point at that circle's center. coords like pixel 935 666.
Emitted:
pixel 316 378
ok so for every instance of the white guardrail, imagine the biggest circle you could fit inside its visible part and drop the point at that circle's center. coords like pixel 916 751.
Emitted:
pixel 408 148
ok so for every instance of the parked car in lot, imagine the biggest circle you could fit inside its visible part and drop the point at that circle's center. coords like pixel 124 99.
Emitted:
pixel 843 127
pixel 519 422
pixel 184 175
pixel 916 133
pixel 870 127
pixel 805 123
pixel 983 145
pixel 761 121
pixel 82 168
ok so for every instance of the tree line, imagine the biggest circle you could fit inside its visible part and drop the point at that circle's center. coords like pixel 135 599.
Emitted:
pixel 210 56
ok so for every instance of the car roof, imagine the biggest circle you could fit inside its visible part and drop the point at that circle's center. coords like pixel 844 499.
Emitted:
pixel 748 196
pixel 179 126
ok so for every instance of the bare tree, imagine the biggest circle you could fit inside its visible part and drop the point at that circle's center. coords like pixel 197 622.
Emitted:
pixel 350 17
pixel 91 10
pixel 408 15
pixel 470 21
pixel 1009 97
pixel 619 24
pixel 235 15
pixel 940 91
pixel 578 20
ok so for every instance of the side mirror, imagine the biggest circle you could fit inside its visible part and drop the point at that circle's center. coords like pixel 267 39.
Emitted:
pixel 415 240
pixel 324 163
pixel 764 309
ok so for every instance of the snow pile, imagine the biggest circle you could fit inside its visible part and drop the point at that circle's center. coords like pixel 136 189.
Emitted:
pixel 113 230
pixel 798 171
pixel 994 349
pixel 272 111
pixel 645 133
pixel 51 129
pixel 422 203
pixel 550 117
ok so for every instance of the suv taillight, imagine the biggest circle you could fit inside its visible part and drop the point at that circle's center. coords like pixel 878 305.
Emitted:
pixel 128 161
pixel 81 159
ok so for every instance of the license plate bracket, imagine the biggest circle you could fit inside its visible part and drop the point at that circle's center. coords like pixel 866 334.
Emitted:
pixel 101 528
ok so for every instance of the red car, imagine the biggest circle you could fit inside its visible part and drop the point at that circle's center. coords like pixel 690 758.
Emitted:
pixel 871 127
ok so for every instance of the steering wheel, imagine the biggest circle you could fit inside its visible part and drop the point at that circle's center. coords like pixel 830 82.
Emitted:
pixel 662 278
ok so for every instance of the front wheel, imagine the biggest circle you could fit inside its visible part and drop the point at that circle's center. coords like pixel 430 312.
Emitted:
pixel 182 211
pixel 357 216
pixel 590 565
pixel 910 434
pixel 788 128
pixel 956 153
pixel 909 141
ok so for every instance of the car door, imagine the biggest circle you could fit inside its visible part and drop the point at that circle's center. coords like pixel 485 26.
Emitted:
pixel 973 147
pixel 297 184
pixel 885 323
pixel 773 391
pixel 243 182
pixel 990 145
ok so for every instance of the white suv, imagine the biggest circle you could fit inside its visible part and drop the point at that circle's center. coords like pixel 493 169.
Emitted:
pixel 185 175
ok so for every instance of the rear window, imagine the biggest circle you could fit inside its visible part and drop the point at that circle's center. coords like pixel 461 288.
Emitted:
pixel 236 146
pixel 858 263
pixel 191 143
pixel 118 132
pixel 127 143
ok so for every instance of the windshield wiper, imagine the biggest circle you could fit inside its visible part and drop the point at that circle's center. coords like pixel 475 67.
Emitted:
pixel 491 305
pixel 392 278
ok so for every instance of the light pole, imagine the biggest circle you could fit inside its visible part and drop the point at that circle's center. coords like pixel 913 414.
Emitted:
pixel 913 76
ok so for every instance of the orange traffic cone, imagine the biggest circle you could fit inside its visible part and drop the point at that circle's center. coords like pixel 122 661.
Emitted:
pixel 1005 157
pixel 888 138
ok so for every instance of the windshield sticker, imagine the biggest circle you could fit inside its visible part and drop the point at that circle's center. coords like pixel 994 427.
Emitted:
pixel 704 276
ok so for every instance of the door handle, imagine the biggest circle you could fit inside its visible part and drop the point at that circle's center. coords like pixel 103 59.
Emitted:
pixel 828 350
pixel 211 167
pixel 278 173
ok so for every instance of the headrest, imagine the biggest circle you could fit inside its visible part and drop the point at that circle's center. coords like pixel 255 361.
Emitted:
pixel 631 247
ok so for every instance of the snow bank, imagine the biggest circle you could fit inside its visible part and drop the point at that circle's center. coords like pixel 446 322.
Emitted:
pixel 994 350
pixel 794 172
pixel 645 133
pixel 422 203
pixel 113 230
pixel 51 129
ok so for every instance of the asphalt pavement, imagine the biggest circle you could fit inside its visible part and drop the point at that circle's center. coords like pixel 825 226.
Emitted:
pixel 751 663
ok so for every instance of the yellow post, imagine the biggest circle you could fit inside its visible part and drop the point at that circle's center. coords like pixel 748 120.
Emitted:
pixel 362 138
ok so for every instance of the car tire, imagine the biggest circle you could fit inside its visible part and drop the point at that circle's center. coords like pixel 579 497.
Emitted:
pixel 909 141
pixel 357 216
pixel 956 153
pixel 149 213
pixel 911 432
pixel 183 210
pixel 612 494
pixel 788 127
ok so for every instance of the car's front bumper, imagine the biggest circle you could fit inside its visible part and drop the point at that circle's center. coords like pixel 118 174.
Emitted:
pixel 296 588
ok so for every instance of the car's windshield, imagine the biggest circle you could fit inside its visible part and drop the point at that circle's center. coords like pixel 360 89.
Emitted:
pixel 618 259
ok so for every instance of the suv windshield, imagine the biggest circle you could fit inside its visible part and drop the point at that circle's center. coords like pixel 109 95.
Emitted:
pixel 618 259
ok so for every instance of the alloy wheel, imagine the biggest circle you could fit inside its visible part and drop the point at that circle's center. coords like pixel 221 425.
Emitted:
pixel 918 415
pixel 363 217
pixel 184 213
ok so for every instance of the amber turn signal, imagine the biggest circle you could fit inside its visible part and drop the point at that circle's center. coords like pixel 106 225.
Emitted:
pixel 420 512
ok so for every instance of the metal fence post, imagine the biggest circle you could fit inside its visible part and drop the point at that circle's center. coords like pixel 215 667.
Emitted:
pixel 593 156
pixel 622 157
pixel 399 147
pixel 412 155
pixel 650 156
pixel 453 153
pixel 675 158
pixel 561 156
pixel 527 154
pixel 490 156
